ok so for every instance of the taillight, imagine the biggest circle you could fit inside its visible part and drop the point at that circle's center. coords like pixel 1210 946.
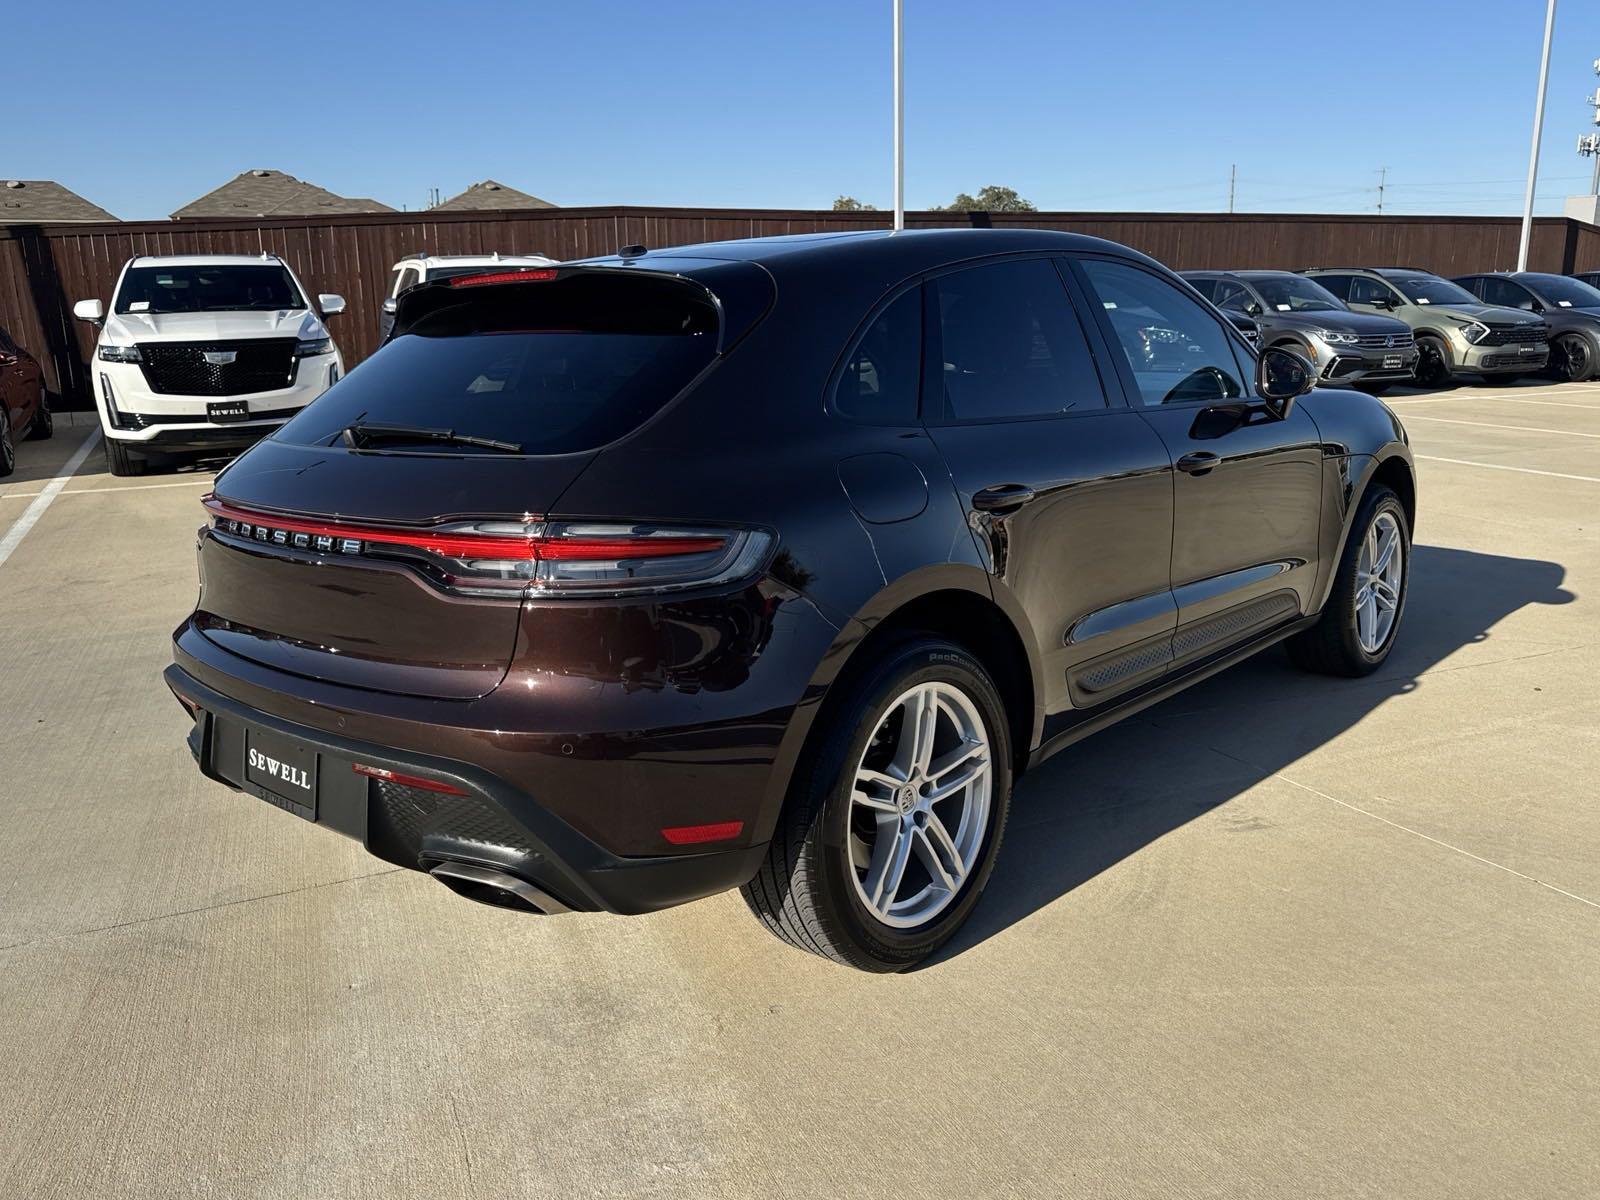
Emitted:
pixel 502 277
pixel 502 558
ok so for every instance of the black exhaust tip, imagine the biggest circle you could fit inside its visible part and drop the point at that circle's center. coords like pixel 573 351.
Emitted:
pixel 488 886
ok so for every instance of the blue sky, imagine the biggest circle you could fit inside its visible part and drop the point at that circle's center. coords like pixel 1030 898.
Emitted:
pixel 1141 104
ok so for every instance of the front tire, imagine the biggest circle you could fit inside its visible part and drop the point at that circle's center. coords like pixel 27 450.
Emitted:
pixel 895 814
pixel 1359 623
pixel 1572 358
pixel 8 445
pixel 1433 362
pixel 44 422
pixel 122 461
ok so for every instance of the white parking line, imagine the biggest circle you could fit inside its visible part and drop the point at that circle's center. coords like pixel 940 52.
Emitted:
pixel 1462 462
pixel 1512 400
pixel 34 511
pixel 113 491
pixel 1515 428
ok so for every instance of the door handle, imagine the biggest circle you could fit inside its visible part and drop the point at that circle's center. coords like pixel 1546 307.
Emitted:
pixel 1002 497
pixel 1198 462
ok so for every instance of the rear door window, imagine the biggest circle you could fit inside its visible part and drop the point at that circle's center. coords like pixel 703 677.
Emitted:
pixel 1011 344
pixel 1339 285
pixel 550 367
pixel 1234 297
pixel 1366 290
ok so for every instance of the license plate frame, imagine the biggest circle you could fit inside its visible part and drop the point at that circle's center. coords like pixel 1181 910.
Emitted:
pixel 1393 362
pixel 281 771
pixel 225 412
pixel 1528 348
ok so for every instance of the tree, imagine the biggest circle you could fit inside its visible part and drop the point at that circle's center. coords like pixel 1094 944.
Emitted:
pixel 989 199
pixel 851 204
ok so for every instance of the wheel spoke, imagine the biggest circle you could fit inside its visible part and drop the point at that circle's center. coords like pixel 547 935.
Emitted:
pixel 1387 597
pixel 875 790
pixel 1385 552
pixel 1366 618
pixel 917 722
pixel 938 853
pixel 888 868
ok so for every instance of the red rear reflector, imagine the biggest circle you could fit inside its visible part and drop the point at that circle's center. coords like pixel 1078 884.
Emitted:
pixel 503 277
pixel 689 835
pixel 413 781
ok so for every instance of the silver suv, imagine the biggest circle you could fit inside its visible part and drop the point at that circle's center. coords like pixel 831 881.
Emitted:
pixel 1457 334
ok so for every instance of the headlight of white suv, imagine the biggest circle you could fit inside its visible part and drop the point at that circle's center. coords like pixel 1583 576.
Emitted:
pixel 1473 331
pixel 307 347
pixel 120 354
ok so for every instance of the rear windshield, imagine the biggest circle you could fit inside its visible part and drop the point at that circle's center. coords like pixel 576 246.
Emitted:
pixel 549 367
pixel 217 288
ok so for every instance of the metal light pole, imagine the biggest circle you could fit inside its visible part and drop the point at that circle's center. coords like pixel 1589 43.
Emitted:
pixel 900 119
pixel 1538 130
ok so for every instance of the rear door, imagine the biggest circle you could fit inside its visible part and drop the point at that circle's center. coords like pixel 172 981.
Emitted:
pixel 1067 491
pixel 1247 490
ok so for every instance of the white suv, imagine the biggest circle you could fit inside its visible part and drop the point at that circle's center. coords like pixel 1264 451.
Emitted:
pixel 420 268
pixel 205 352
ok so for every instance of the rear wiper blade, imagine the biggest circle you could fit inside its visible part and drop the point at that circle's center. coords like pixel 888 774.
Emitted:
pixel 361 434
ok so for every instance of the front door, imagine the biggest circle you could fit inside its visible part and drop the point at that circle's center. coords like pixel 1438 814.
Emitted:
pixel 1247 488
pixel 1068 492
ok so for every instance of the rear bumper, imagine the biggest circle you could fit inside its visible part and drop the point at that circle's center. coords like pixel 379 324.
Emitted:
pixel 484 822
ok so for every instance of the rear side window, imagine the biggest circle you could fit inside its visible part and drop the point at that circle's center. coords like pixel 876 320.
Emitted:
pixel 553 367
pixel 883 376
pixel 1339 285
pixel 1011 344
pixel 1366 290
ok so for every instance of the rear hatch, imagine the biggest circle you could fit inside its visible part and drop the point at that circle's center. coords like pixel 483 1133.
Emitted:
pixel 379 539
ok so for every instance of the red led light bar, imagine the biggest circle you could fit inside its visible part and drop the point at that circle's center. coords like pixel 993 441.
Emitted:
pixel 691 835
pixel 479 545
pixel 503 277
pixel 412 781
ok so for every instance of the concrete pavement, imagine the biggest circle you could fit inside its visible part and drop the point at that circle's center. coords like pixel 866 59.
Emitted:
pixel 1279 936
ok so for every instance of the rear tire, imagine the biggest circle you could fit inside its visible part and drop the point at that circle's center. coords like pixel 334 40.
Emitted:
pixel 1572 358
pixel 860 804
pixel 8 445
pixel 44 422
pixel 1433 362
pixel 122 461
pixel 1347 640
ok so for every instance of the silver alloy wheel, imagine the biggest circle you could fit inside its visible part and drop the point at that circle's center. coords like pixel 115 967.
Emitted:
pixel 1380 574
pixel 920 805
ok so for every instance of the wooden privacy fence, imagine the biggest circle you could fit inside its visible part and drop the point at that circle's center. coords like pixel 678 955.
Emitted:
pixel 44 269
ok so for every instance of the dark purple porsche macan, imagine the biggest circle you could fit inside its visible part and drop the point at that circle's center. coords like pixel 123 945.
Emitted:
pixel 771 565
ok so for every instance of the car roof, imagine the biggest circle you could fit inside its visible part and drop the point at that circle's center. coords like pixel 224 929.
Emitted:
pixel 203 260
pixel 891 253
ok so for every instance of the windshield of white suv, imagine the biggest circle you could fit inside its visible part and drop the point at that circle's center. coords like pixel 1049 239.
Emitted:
pixel 1430 289
pixel 207 288
pixel 1295 293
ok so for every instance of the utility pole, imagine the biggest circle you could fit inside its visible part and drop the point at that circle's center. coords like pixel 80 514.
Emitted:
pixel 1538 131
pixel 899 120
pixel 1589 143
pixel 1383 179
pixel 1233 178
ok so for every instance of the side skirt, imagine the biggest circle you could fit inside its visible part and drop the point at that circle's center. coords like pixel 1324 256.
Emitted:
pixel 1063 729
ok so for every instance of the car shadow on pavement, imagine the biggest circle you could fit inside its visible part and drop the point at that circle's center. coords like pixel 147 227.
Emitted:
pixel 1102 800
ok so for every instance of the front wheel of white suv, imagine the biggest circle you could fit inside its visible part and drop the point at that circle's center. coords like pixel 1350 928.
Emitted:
pixel 895 818
pixel 122 461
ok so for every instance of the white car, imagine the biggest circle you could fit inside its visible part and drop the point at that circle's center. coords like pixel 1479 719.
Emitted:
pixel 422 268
pixel 206 352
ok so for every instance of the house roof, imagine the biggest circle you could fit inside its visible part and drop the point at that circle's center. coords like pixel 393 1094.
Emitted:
pixel 42 201
pixel 487 195
pixel 263 193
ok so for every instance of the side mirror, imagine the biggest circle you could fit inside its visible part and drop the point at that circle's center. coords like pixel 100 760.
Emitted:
pixel 89 310
pixel 1384 302
pixel 1253 309
pixel 389 306
pixel 330 304
pixel 1281 375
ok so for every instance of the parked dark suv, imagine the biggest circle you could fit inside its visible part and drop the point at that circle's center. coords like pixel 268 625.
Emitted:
pixel 1349 349
pixel 771 565
pixel 1570 307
